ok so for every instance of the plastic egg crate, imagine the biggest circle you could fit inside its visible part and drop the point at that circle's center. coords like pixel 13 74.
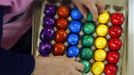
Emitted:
pixel 97 62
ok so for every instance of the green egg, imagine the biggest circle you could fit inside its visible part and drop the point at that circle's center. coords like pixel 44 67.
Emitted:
pixel 86 54
pixel 89 17
pixel 87 41
pixel 89 28
pixel 87 66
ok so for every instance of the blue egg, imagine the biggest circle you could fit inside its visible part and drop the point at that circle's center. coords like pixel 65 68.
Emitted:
pixel 73 39
pixel 75 26
pixel 75 14
pixel 73 51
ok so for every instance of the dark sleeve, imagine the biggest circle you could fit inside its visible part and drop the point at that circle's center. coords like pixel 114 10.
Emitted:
pixel 13 63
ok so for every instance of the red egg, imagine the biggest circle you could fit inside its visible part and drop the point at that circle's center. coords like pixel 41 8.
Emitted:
pixel 110 69
pixel 117 18
pixel 113 57
pixel 114 44
pixel 115 31
pixel 60 36
pixel 62 23
pixel 59 49
pixel 63 11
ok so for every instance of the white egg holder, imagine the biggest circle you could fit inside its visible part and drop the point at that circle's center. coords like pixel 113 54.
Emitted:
pixel 38 26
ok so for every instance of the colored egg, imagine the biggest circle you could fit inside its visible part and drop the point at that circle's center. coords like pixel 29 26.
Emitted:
pixel 113 57
pixel 48 22
pixel 87 66
pixel 50 10
pixel 47 34
pixel 115 31
pixel 102 30
pixel 114 44
pixel 100 55
pixel 86 54
pixel 62 23
pixel 89 17
pixel 117 18
pixel 87 41
pixel 45 48
pixel 60 36
pixel 73 39
pixel 100 42
pixel 75 14
pixel 59 49
pixel 104 17
pixel 75 26
pixel 97 68
pixel 63 11
pixel 110 69
pixel 73 51
pixel 89 28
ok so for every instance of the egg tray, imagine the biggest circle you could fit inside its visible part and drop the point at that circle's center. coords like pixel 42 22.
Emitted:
pixel 38 26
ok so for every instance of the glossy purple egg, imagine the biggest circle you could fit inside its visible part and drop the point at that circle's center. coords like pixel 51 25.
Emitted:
pixel 48 22
pixel 50 10
pixel 45 48
pixel 47 34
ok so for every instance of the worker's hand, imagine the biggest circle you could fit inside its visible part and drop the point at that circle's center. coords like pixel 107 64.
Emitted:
pixel 94 6
pixel 58 65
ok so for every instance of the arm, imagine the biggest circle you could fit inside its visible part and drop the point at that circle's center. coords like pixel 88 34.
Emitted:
pixel 12 63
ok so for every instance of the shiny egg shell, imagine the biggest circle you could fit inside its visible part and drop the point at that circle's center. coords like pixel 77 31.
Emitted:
pixel 86 54
pixel 73 51
pixel 110 69
pixel 104 17
pixel 113 57
pixel 73 39
pixel 102 30
pixel 63 11
pixel 97 68
pixel 117 18
pixel 114 44
pixel 45 48
pixel 100 42
pixel 60 36
pixel 61 23
pixel 59 49
pixel 100 55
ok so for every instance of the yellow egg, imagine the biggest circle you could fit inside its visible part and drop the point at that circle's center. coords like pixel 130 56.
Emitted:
pixel 104 17
pixel 97 68
pixel 100 55
pixel 100 42
pixel 102 30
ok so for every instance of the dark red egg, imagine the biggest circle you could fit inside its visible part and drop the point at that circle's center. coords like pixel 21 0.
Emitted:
pixel 62 23
pixel 115 31
pixel 117 18
pixel 59 49
pixel 113 57
pixel 114 44
pixel 60 36
pixel 63 11
pixel 110 69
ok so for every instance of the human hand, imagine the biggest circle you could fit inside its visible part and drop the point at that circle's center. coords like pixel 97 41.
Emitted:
pixel 94 6
pixel 58 65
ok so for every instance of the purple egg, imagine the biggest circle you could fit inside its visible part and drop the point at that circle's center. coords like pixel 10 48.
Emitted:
pixel 45 48
pixel 48 22
pixel 47 34
pixel 50 10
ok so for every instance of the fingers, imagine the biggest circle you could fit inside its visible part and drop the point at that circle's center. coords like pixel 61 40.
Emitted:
pixel 81 8
pixel 92 7
pixel 79 66
pixel 100 5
